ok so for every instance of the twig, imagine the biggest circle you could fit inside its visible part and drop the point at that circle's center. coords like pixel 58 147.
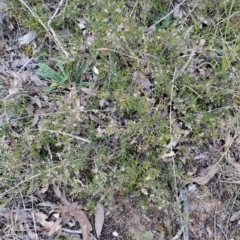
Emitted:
pixel 171 150
pixel 55 13
pixel 25 65
pixel 163 18
pixel 67 134
pixel 51 30
pixel 185 215
pixel 26 180
pixel 48 28
pixel 180 72
pixel 124 54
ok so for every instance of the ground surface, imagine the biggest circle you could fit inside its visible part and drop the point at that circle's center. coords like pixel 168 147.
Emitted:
pixel 119 120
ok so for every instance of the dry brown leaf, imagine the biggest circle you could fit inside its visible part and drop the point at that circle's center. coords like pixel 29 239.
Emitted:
pixel 15 85
pixel 36 80
pixel 54 227
pixel 17 215
pixel 41 218
pixel 21 61
pixel 5 79
pixel 235 216
pixel 66 218
pixel 64 200
pixel 89 91
pixel 178 12
pixel 234 163
pixel 57 191
pixel 203 180
pixel 27 38
pixel 228 140
pixel 37 101
pixel 30 233
pixel 82 219
pixel 99 219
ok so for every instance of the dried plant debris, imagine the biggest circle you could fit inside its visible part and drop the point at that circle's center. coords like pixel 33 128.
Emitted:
pixel 234 163
pixel 99 219
pixel 134 98
pixel 208 174
pixel 235 216
pixel 65 219
pixel 51 226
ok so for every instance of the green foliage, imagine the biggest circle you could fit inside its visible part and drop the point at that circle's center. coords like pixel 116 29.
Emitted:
pixel 125 152
pixel 57 78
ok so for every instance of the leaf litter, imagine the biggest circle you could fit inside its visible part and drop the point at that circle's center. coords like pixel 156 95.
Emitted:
pixel 99 218
pixel 18 83
pixel 208 175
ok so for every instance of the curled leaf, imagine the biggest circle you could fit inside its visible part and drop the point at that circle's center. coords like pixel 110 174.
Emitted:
pixel 81 217
pixel 203 180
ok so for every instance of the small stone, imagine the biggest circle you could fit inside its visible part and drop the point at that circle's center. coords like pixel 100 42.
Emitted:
pixel 115 234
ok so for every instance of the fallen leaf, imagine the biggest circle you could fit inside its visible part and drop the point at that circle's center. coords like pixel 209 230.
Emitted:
pixel 64 200
pixel 82 219
pixel 235 216
pixel 89 91
pixel 228 140
pixel 57 191
pixel 234 163
pixel 43 189
pixel 66 218
pixel 30 233
pixel 27 38
pixel 17 215
pixel 99 219
pixel 56 226
pixel 41 218
pixel 203 180
pixel 36 80
pixel 15 84
pixel 53 227
pixel 21 61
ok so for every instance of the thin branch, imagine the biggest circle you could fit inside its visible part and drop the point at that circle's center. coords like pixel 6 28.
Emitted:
pixel 48 28
pixel 163 18
pixel 124 54
pixel 55 13
pixel 171 150
pixel 26 180
pixel 67 134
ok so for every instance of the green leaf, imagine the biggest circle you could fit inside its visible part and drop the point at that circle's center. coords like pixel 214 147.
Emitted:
pixel 47 72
